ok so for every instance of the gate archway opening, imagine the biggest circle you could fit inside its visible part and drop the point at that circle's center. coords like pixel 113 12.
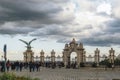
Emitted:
pixel 73 57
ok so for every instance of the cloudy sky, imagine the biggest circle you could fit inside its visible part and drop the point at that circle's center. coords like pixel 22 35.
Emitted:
pixel 95 23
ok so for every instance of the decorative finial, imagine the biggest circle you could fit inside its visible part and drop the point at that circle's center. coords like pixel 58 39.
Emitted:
pixel 42 50
pixel 73 40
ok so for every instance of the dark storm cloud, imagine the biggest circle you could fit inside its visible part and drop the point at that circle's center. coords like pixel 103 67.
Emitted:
pixel 29 13
pixel 63 40
pixel 113 26
pixel 107 37
pixel 52 19
pixel 114 23
pixel 18 30
pixel 55 31
pixel 13 10
pixel 102 41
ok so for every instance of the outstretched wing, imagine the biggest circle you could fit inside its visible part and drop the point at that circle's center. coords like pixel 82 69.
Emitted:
pixel 24 41
pixel 32 41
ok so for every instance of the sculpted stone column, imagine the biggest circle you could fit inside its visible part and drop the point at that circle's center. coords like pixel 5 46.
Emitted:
pixel 111 55
pixel 81 50
pixel 65 54
pixel 97 56
pixel 84 56
pixel 42 56
pixel 28 56
pixel 53 56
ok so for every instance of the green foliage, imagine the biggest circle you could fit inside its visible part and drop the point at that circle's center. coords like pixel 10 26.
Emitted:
pixel 106 63
pixel 82 64
pixel 117 62
pixel 94 64
pixel 7 76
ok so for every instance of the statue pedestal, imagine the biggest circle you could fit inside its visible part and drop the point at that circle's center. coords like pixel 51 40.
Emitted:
pixel 28 56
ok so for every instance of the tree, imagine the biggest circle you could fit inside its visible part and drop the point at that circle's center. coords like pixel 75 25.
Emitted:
pixel 82 64
pixel 117 62
pixel 106 63
pixel 94 64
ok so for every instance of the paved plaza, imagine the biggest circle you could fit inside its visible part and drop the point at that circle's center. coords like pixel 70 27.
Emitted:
pixel 72 74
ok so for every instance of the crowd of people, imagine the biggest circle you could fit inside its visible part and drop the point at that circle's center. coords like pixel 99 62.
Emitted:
pixel 31 66
pixel 19 66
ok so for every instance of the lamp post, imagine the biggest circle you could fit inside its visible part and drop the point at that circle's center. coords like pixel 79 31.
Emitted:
pixel 47 60
pixel 58 61
pixel 36 58
pixel 105 63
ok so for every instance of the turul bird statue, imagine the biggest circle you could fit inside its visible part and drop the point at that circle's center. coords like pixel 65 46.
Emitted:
pixel 28 43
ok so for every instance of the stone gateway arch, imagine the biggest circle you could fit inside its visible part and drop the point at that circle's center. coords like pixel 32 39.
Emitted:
pixel 73 46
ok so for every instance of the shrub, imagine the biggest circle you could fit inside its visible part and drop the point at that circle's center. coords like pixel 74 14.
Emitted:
pixel 82 64
pixel 94 64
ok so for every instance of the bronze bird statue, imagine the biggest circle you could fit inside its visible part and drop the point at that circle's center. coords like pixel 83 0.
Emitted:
pixel 28 43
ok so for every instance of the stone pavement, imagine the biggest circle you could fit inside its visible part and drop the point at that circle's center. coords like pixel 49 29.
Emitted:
pixel 72 74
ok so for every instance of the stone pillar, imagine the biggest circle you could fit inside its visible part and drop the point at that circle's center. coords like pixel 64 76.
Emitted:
pixel 81 53
pixel 42 57
pixel 53 56
pixel 111 56
pixel 28 56
pixel 84 56
pixel 65 54
pixel 97 56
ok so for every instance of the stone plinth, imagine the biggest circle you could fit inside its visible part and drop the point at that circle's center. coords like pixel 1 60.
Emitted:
pixel 97 56
pixel 53 56
pixel 28 56
pixel 111 55
pixel 42 56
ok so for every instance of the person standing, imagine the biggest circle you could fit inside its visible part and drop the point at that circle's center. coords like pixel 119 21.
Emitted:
pixel 2 66
pixel 21 66
pixel 37 66
pixel 30 66
pixel 17 66
pixel 8 65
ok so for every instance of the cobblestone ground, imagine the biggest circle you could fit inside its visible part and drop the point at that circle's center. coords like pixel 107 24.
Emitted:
pixel 72 74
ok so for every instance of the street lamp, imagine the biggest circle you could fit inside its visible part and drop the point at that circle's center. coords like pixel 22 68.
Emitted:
pixel 36 58
pixel 47 58
pixel 105 63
